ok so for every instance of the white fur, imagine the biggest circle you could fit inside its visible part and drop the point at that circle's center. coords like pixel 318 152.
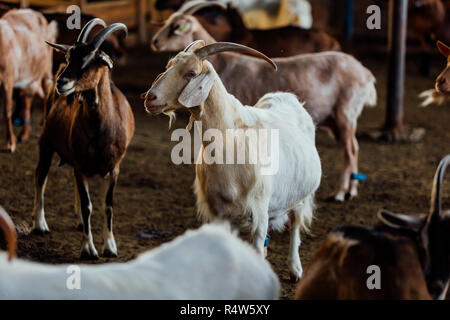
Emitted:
pixel 265 200
pixel 208 263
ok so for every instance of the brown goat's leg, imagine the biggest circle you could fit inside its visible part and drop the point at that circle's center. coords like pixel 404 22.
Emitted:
pixel 346 141
pixel 26 101
pixel 43 167
pixel 76 205
pixel 109 243
pixel 354 183
pixel 88 250
pixel 7 93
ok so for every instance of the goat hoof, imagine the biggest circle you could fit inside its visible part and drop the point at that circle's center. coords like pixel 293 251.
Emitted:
pixel 80 227
pixel 294 278
pixel 339 197
pixel 107 253
pixel 24 137
pixel 40 232
pixel 88 256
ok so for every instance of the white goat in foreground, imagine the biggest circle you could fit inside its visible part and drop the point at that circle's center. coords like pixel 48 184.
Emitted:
pixel 241 190
pixel 208 263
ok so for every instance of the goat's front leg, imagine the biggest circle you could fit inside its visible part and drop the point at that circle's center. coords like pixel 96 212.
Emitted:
pixel 45 160
pixel 88 250
pixel 26 116
pixel 77 205
pixel 109 243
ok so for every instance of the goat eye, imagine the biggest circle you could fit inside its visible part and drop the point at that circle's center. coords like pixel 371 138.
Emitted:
pixel 189 75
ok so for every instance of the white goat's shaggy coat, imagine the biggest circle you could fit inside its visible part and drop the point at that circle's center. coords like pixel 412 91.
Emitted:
pixel 209 263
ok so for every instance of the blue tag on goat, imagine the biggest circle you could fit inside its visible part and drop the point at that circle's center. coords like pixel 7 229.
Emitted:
pixel 358 176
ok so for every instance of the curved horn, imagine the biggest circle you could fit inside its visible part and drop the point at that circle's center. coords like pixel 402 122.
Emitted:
pixel 194 44
pixel 88 28
pixel 7 226
pixel 435 208
pixel 192 7
pixel 102 35
pixel 218 47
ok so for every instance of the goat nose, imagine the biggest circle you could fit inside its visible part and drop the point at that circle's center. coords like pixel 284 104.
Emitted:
pixel 150 96
pixel 442 80
pixel 155 41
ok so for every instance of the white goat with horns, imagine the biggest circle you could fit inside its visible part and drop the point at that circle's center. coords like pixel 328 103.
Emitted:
pixel 243 190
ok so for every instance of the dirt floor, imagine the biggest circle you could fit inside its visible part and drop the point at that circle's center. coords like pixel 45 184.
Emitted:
pixel 154 200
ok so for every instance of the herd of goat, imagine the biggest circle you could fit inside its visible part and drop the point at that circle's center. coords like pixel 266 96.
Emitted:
pixel 88 123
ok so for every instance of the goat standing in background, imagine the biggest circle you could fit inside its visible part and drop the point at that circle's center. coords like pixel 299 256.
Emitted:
pixel 334 85
pixel 224 23
pixel 441 92
pixel 25 64
pixel 90 127
pixel 241 192
pixel 411 251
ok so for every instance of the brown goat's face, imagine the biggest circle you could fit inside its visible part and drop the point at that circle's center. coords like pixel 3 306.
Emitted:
pixel 164 95
pixel 176 34
pixel 443 80
pixel 81 72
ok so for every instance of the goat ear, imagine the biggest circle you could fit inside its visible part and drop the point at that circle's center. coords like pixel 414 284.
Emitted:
pixel 183 28
pixel 58 47
pixel 106 59
pixel 197 90
pixel 444 49
pixel 402 221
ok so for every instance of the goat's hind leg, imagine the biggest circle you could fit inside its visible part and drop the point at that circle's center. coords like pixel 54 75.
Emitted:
pixel 6 93
pixel 88 250
pixel 109 245
pixel 43 167
pixel 303 211
pixel 26 115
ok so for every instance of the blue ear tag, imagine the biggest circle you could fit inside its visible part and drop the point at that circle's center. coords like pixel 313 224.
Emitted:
pixel 266 242
pixel 358 176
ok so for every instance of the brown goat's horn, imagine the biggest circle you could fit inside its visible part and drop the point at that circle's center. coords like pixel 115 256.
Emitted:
pixel 88 28
pixel 192 7
pixel 218 47
pixel 102 35
pixel 7 226
pixel 435 208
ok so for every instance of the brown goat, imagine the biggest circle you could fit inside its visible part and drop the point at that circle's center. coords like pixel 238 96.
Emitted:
pixel 430 21
pixel 411 251
pixel 334 86
pixel 443 80
pixel 25 64
pixel 90 127
pixel 224 23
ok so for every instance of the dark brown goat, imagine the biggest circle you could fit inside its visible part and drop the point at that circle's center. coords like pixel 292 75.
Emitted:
pixel 89 127
pixel 430 21
pixel 411 251
pixel 25 64
pixel 226 24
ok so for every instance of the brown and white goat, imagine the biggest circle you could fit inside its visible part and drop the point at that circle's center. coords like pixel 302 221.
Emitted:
pixel 89 127
pixel 334 86
pixel 224 23
pixel 25 64
pixel 441 91
pixel 411 251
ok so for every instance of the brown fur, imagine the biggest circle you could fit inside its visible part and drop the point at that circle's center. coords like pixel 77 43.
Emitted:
pixel 430 20
pixel 90 130
pixel 338 271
